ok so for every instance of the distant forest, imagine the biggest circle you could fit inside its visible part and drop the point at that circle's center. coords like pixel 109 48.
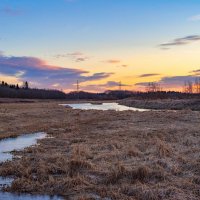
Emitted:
pixel 153 91
pixel 122 94
pixel 24 92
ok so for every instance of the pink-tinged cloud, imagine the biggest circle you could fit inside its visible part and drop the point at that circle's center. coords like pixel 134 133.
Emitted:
pixel 180 41
pixel 124 66
pixel 113 61
pixel 44 75
pixel 196 72
pixel 171 81
pixel 106 86
pixel 148 75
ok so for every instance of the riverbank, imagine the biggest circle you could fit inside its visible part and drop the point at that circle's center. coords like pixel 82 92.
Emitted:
pixel 104 154
pixel 163 104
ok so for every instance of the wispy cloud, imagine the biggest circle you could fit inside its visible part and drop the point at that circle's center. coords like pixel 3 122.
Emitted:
pixel 116 62
pixel 196 72
pixel 113 61
pixel 96 76
pixel 42 74
pixel 171 81
pixel 123 65
pixel 181 41
pixel 195 18
pixel 114 84
pixel 105 86
pixel 109 84
pixel 11 11
pixel 75 56
pixel 148 75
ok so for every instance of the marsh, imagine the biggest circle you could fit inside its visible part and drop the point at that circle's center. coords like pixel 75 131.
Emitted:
pixel 108 154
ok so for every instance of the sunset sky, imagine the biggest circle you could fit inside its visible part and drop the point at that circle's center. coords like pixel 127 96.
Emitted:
pixel 54 43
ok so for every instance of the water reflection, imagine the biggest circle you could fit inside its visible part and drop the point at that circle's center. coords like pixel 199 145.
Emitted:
pixel 103 106
pixel 19 143
pixel 11 196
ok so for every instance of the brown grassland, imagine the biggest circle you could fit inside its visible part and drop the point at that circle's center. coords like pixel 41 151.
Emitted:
pixel 163 104
pixel 104 154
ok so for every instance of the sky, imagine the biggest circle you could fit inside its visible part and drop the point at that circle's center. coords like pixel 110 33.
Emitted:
pixel 100 43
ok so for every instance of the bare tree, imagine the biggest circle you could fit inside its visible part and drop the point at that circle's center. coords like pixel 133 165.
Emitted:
pixel 188 87
pixel 197 85
pixel 153 87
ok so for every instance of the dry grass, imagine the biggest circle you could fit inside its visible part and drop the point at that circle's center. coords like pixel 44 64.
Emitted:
pixel 105 155
pixel 163 104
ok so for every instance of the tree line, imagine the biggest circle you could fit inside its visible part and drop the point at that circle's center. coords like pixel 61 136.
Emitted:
pixel 122 94
pixel 25 92
pixel 189 87
pixel 13 86
pixel 192 86
pixel 153 91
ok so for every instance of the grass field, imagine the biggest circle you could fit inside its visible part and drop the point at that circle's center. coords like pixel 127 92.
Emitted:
pixel 104 154
pixel 163 104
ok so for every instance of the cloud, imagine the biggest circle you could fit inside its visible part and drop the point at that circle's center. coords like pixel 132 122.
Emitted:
pixel 11 11
pixel 165 48
pixel 181 41
pixel 195 18
pixel 19 74
pixel 147 75
pixel 177 79
pixel 113 61
pixel 96 76
pixel 114 84
pixel 75 56
pixel 44 75
pixel 107 85
pixel 171 81
pixel 116 62
pixel 196 72
pixel 56 85
pixel 103 87
pixel 123 65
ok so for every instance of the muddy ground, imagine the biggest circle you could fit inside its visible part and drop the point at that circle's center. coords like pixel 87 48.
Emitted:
pixel 104 154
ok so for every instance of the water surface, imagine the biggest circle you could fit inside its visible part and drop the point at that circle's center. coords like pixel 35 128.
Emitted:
pixel 103 106
pixel 19 143
pixel 11 196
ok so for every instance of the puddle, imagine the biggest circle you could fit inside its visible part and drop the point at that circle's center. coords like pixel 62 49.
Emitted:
pixel 103 106
pixel 11 196
pixel 5 182
pixel 19 143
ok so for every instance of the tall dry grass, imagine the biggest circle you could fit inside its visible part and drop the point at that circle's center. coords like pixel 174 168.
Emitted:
pixel 107 155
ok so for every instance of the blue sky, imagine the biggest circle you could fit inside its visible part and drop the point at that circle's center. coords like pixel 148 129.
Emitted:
pixel 96 31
